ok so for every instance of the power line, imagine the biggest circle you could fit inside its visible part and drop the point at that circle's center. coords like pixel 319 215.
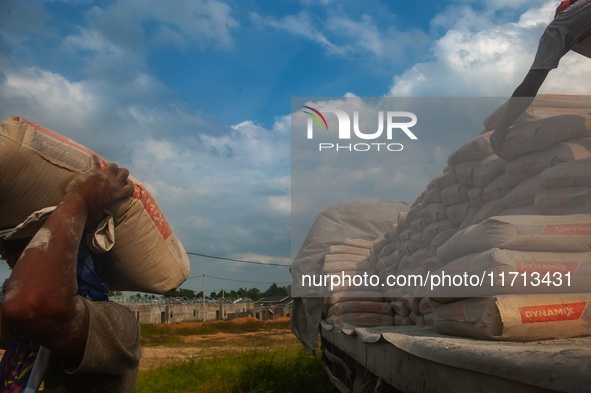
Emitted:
pixel 237 260
pixel 229 279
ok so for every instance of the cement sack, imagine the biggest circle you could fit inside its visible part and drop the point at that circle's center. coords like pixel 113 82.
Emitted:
pixel 38 164
pixel 447 179
pixel 362 307
pixel 454 194
pixel 492 208
pixel 534 163
pixel 414 318
pixel 534 113
pixel 393 235
pixel 433 196
pixel 524 194
pixel 365 319
pixel 418 257
pixel 496 272
pixel 425 240
pixel 433 183
pixel 537 135
pixel 413 213
pixel 549 101
pixel 412 303
pixel 480 173
pixel 472 212
pixel 405 234
pixel 433 213
pixel 418 225
pixel 428 305
pixel 496 189
pixel 350 296
pixel 379 243
pixel 406 263
pixel 434 228
pixel 388 249
pixel 562 201
pixel 475 197
pixel 415 239
pixel 524 233
pixel 334 267
pixel 431 264
pixel 429 319
pixel 400 308
pixel 398 320
pixel 344 258
pixel 570 174
pixel 457 213
pixel 348 250
pixel 529 210
pixel 517 318
pixel 475 149
pixel 408 248
pixel 360 243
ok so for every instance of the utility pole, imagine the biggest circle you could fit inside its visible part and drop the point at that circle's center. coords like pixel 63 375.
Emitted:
pixel 204 312
pixel 223 293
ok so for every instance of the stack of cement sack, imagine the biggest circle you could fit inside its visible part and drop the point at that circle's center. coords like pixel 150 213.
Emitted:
pixel 357 305
pixel 527 216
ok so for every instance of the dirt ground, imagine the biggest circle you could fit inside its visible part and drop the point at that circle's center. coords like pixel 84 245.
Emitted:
pixel 210 345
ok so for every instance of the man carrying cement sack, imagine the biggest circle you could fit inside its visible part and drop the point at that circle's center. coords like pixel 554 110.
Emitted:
pixel 57 339
pixel 570 29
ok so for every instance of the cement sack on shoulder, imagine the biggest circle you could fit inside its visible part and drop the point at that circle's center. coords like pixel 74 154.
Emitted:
pixel 400 308
pixel 348 250
pixel 475 197
pixel 535 163
pixel 524 194
pixel 570 174
pixel 492 208
pixel 517 318
pixel 496 189
pixel 365 319
pixel 38 164
pixel 433 213
pixel 334 267
pixel 540 134
pixel 562 201
pixel 344 258
pixel 524 233
pixel 457 213
pixel 454 194
pixel 447 179
pixel 360 243
pixel 542 101
pixel 472 212
pixel 475 149
pixel 529 210
pixel 362 307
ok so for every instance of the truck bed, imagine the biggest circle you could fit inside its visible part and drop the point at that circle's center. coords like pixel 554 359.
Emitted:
pixel 418 359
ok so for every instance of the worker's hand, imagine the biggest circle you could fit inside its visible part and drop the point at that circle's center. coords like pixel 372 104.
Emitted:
pixel 101 188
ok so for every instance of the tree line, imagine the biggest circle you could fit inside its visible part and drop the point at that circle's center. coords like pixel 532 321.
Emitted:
pixel 252 293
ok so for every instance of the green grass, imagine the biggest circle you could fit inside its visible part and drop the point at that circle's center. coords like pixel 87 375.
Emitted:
pixel 285 371
pixel 153 335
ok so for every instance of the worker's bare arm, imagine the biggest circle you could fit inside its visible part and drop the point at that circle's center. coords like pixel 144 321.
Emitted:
pixel 41 302
pixel 521 99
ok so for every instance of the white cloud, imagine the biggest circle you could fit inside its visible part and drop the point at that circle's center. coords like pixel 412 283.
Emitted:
pixel 479 58
pixel 281 204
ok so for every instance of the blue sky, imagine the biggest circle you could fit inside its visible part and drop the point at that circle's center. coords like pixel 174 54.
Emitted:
pixel 194 96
